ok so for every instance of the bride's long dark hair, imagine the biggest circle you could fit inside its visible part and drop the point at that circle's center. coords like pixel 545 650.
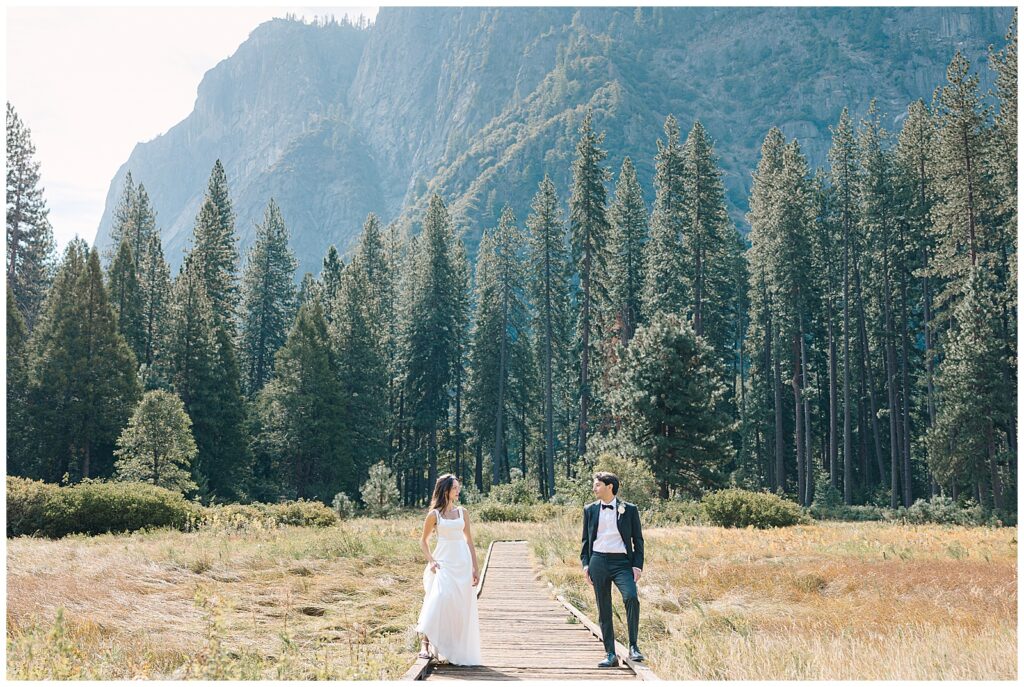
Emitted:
pixel 440 500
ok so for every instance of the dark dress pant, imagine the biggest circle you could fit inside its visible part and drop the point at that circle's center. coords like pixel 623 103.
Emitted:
pixel 604 569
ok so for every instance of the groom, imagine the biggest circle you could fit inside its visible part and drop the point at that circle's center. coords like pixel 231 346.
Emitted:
pixel 613 551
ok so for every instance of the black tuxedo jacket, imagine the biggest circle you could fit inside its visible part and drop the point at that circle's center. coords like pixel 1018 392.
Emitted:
pixel 629 528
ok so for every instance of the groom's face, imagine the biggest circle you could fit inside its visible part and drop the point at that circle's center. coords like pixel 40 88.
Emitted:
pixel 602 491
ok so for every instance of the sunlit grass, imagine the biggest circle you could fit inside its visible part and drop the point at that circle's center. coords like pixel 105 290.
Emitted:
pixel 830 601
pixel 840 601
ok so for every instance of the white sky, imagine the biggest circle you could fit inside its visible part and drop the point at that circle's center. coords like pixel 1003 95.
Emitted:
pixel 91 82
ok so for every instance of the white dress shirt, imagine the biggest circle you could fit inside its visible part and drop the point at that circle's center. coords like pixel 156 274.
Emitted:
pixel 608 539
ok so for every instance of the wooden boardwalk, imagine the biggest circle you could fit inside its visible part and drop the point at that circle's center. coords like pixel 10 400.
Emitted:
pixel 525 634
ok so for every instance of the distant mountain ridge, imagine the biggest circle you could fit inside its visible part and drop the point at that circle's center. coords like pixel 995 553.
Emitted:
pixel 335 121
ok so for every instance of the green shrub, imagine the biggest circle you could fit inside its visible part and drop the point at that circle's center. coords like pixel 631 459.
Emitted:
pixel 849 513
pixel 667 512
pixel 28 504
pixel 636 481
pixel 941 510
pixel 740 508
pixel 302 513
pixel 268 515
pixel 517 492
pixel 572 492
pixel 343 506
pixel 94 507
pixel 380 492
pixel 493 511
pixel 828 504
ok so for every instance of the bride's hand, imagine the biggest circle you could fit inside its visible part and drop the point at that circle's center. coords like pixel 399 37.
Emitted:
pixel 434 566
pixel 476 578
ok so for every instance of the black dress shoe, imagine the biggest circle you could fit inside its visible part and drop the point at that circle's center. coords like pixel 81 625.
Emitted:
pixel 635 655
pixel 611 661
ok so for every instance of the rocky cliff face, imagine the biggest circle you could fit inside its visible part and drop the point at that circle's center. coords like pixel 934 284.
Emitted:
pixel 479 103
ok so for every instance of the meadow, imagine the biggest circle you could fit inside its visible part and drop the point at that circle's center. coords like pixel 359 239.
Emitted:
pixel 871 600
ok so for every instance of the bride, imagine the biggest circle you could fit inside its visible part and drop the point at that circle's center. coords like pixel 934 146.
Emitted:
pixel 448 619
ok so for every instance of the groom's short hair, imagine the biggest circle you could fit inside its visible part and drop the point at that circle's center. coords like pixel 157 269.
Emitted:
pixel 608 478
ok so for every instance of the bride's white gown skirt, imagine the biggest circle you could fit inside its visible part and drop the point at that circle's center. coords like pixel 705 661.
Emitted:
pixel 449 616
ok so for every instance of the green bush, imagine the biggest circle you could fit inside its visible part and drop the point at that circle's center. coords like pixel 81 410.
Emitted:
pixel 941 510
pixel 518 492
pixel 343 506
pixel 740 508
pixel 572 492
pixel 636 481
pixel 849 513
pixel 94 507
pixel 380 492
pixel 300 513
pixel 668 512
pixel 28 504
pixel 493 511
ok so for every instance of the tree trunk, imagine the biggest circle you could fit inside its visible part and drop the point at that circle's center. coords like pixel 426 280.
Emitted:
pixel 847 438
pixel 499 427
pixel 780 464
pixel 478 472
pixel 585 275
pixel 869 369
pixel 833 403
pixel 798 434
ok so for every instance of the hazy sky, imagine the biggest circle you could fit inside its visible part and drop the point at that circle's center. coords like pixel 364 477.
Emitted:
pixel 90 83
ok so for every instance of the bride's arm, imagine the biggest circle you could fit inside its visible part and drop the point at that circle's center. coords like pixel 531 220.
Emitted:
pixel 472 548
pixel 428 527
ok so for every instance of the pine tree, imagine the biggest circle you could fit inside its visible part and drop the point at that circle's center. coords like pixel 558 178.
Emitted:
pixel 666 395
pixel 157 445
pixel 30 244
pixel 215 249
pixel 127 299
pixel 155 281
pixel 82 374
pixel 845 174
pixel 205 374
pixel 508 306
pixel 485 357
pixel 589 231
pixel 711 245
pixel 628 236
pixel 362 374
pixel 549 283
pixel 962 446
pixel 765 410
pixel 963 215
pixel 123 219
pixel 665 288
pixel 306 393
pixel 19 457
pixel 430 345
pixel 378 492
pixel 268 298
pixel 309 289
pixel 330 279
pixel 463 278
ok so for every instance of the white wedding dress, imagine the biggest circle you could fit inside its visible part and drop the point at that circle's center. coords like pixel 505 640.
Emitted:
pixel 449 615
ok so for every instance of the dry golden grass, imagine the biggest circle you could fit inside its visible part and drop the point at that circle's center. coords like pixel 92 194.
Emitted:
pixel 841 601
pixel 830 601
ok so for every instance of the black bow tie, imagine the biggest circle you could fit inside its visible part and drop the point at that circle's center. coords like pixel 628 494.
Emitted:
pixel 603 506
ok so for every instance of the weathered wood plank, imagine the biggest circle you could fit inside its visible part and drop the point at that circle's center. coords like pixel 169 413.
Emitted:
pixel 526 634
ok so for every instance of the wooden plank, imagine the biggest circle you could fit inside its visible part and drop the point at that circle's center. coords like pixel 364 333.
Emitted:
pixel 526 634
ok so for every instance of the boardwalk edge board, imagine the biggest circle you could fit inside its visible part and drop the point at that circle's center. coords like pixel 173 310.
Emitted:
pixel 642 672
